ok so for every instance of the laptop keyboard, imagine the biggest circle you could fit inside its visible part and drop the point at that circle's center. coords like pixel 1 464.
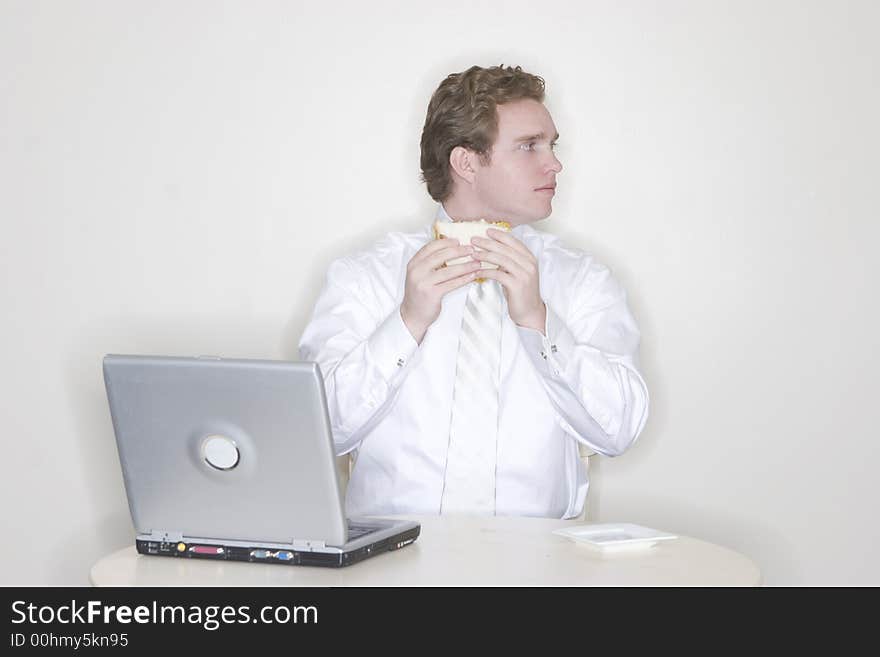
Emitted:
pixel 356 531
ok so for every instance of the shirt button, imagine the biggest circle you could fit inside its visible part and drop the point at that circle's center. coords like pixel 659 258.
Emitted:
pixel 400 362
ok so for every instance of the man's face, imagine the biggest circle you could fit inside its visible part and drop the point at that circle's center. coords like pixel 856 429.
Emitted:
pixel 513 186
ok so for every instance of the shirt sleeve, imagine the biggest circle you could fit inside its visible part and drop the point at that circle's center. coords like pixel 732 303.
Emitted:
pixel 588 363
pixel 363 355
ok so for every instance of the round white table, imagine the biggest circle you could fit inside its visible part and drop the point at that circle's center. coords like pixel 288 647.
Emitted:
pixel 460 551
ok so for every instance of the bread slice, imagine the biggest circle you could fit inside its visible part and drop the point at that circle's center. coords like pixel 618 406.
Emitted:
pixel 463 231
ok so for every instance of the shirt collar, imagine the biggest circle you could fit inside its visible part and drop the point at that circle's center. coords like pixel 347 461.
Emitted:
pixel 442 214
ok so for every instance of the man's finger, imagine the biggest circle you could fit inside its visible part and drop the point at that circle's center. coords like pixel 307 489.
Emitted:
pixel 434 246
pixel 503 261
pixel 436 260
pixel 503 240
pixel 522 261
pixel 506 238
pixel 457 282
pixel 504 279
pixel 452 271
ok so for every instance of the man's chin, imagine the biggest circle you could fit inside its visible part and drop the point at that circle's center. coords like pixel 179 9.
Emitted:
pixel 530 219
pixel 543 215
pixel 531 215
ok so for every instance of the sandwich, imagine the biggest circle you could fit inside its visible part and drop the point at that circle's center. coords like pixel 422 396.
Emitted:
pixel 463 231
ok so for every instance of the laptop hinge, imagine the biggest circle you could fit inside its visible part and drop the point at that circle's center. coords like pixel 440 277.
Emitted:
pixel 300 544
pixel 166 537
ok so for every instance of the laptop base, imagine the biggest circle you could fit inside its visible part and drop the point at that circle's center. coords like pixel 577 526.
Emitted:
pixel 288 557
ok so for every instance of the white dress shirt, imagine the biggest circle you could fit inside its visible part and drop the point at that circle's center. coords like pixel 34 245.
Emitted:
pixel 390 398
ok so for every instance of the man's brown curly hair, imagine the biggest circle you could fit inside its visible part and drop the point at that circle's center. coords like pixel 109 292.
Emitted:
pixel 462 113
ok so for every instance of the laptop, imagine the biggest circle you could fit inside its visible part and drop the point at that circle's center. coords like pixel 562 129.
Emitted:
pixel 233 459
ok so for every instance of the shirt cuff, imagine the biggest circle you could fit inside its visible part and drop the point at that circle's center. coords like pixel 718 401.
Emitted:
pixel 391 346
pixel 549 352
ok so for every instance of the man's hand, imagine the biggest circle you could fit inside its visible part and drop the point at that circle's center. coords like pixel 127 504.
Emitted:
pixel 427 281
pixel 517 274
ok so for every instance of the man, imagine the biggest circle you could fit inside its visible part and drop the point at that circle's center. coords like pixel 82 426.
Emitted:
pixel 461 396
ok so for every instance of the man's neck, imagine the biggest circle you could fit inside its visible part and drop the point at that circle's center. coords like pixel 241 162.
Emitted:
pixel 462 211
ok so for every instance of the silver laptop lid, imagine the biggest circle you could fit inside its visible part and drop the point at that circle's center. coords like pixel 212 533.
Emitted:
pixel 226 448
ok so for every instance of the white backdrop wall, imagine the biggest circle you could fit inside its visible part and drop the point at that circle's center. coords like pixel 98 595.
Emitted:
pixel 175 178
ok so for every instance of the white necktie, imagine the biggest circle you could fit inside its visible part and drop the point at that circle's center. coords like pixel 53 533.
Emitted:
pixel 469 481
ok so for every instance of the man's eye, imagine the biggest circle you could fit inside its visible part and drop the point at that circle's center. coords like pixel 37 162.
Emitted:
pixel 531 146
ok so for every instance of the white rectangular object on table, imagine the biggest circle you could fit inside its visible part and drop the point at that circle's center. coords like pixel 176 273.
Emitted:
pixel 614 537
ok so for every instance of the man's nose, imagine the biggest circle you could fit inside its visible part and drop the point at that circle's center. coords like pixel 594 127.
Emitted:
pixel 555 164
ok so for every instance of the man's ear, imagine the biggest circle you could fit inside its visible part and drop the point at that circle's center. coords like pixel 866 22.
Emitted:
pixel 462 161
